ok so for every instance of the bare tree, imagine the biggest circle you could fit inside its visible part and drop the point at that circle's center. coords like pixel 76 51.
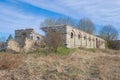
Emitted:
pixel 109 33
pixel 2 43
pixel 59 21
pixel 65 20
pixel 86 25
pixel 115 44
pixel 54 40
pixel 48 22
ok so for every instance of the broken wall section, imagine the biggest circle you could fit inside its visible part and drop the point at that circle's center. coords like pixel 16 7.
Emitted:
pixel 12 46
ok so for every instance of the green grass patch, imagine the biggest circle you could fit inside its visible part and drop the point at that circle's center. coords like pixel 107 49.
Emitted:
pixel 91 50
pixel 64 51
pixel 61 51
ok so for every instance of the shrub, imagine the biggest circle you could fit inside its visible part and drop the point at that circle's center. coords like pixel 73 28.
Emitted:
pixel 115 44
pixel 54 40
pixel 9 61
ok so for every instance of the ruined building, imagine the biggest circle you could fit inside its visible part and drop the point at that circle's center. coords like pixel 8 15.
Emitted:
pixel 29 40
pixel 21 35
pixel 25 40
pixel 74 38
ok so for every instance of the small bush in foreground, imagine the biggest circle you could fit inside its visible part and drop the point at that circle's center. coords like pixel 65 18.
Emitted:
pixel 9 61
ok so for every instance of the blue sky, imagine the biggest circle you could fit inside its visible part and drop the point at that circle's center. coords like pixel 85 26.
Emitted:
pixel 18 14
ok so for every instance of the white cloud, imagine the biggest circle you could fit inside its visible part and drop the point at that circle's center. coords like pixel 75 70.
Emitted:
pixel 12 18
pixel 100 11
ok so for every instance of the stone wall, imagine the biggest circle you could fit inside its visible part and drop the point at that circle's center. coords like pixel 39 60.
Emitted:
pixel 29 45
pixel 77 38
pixel 21 35
pixel 12 46
pixel 26 40
pixel 74 38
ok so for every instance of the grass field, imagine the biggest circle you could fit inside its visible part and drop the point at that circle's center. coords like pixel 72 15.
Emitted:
pixel 80 64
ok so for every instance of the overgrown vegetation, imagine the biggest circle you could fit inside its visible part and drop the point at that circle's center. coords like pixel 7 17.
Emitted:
pixel 110 34
pixel 61 51
pixel 91 50
pixel 53 40
pixel 10 61
pixel 84 24
pixel 79 65
pixel 107 32
pixel 114 44
pixel 64 51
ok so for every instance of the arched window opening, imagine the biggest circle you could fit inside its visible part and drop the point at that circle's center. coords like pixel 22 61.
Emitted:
pixel 24 35
pixel 71 34
pixel 84 37
pixel 38 38
pixel 97 43
pixel 78 36
pixel 89 39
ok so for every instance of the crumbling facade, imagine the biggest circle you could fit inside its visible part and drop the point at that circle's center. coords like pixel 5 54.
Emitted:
pixel 12 46
pixel 74 38
pixel 21 35
pixel 26 40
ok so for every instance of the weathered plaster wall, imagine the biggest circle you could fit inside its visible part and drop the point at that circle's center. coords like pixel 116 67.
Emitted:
pixel 82 39
pixel 29 45
pixel 74 38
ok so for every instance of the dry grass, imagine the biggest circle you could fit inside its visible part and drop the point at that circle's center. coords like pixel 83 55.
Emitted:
pixel 80 65
pixel 10 61
pixel 109 67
